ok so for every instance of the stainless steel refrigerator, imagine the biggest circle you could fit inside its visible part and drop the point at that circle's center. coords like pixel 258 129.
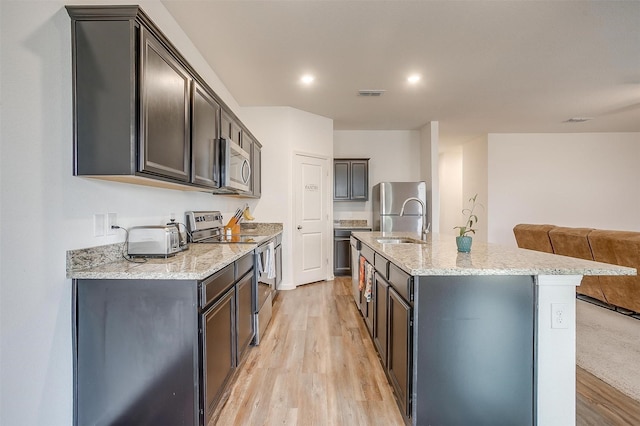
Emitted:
pixel 387 200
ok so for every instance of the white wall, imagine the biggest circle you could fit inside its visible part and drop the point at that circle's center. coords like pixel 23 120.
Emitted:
pixel 394 157
pixel 285 131
pixel 450 173
pixel 474 181
pixel 46 211
pixel 579 180
pixel 429 162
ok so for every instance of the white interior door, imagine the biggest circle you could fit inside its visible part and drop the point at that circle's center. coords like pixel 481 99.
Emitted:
pixel 311 219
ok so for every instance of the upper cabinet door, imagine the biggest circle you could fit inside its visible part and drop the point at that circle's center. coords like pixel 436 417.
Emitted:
pixel 341 180
pixel 204 132
pixel 225 125
pixel 236 134
pixel 230 129
pixel 350 179
pixel 360 180
pixel 164 132
pixel 256 169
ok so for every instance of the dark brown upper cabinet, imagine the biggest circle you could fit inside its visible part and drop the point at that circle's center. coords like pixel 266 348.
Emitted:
pixel 205 163
pixel 165 145
pixel 141 113
pixel 351 179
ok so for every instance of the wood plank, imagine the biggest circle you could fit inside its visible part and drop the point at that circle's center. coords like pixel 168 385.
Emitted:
pixel 597 403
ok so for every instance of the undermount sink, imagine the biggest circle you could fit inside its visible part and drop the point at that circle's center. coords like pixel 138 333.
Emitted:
pixel 399 241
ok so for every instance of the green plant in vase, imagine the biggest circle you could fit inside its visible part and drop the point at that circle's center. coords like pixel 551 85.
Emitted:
pixel 463 241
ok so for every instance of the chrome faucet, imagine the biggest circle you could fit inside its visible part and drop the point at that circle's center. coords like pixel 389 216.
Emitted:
pixel 425 228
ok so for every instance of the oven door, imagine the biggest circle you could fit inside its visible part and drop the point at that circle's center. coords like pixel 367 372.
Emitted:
pixel 236 166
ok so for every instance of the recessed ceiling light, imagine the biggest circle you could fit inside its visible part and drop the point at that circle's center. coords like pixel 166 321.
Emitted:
pixel 307 79
pixel 413 78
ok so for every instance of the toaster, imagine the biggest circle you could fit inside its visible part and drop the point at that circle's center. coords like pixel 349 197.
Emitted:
pixel 153 241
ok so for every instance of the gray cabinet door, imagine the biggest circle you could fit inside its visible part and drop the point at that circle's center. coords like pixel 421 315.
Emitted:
pixel 244 314
pixel 204 132
pixel 341 180
pixel 229 127
pixel 164 132
pixel 256 169
pixel 359 180
pixel 219 349
pixel 399 349
pixel 247 145
pixel 225 125
pixel 380 304
pixel 350 179
pixel 341 255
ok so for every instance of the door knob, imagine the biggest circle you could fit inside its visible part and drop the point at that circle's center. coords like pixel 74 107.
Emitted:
pixel 299 227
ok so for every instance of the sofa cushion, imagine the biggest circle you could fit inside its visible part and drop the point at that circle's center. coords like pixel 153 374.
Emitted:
pixel 573 242
pixel 619 248
pixel 533 237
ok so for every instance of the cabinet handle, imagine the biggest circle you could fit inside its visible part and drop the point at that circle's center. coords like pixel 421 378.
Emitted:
pixel 299 227
pixel 246 171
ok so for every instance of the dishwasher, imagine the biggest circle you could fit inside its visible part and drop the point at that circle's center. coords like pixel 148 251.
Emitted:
pixel 268 264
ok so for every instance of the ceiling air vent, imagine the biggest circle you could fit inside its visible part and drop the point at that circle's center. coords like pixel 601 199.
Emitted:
pixel 578 119
pixel 371 93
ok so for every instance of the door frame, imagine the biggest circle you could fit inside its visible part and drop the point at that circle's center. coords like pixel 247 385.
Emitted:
pixel 328 228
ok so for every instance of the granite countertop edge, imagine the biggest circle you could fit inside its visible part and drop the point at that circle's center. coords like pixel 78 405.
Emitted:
pixel 197 263
pixel 438 256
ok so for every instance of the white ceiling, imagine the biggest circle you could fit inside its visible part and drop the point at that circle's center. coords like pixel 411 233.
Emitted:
pixel 486 66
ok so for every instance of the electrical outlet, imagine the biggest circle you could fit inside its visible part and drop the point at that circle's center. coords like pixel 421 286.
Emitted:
pixel 559 315
pixel 112 220
pixel 98 225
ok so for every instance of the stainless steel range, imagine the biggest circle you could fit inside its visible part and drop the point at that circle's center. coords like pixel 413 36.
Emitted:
pixel 208 227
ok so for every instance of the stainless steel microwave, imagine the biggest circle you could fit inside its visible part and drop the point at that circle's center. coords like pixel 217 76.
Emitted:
pixel 236 166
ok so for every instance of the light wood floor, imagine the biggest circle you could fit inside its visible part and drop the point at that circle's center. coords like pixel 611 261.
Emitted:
pixel 317 365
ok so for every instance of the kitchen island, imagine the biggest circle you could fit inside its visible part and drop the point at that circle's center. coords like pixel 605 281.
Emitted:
pixel 486 337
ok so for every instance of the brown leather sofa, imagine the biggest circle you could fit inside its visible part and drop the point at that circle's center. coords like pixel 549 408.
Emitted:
pixel 533 237
pixel 614 247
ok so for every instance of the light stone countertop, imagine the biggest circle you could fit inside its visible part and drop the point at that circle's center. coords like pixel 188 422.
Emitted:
pixel 352 224
pixel 196 263
pixel 439 256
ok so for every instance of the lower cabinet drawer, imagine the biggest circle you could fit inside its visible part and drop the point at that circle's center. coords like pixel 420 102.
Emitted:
pixel 381 264
pixel 214 286
pixel 244 265
pixel 368 253
pixel 401 282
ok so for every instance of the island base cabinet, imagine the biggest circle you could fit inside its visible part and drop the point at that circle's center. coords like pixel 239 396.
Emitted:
pixel 474 350
pixel 381 297
pixel 134 349
pixel 399 350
